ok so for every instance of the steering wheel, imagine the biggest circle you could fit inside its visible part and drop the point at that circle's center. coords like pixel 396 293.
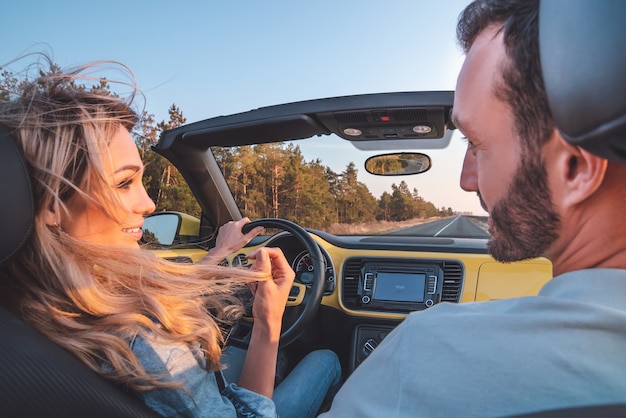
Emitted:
pixel 308 299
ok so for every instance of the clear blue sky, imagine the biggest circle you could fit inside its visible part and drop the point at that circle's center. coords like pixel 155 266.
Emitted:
pixel 214 58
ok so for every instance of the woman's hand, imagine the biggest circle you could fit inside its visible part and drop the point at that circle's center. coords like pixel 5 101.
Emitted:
pixel 270 297
pixel 230 239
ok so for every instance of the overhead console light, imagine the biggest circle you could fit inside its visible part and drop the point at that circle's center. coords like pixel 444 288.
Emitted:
pixel 422 129
pixel 423 122
pixel 352 132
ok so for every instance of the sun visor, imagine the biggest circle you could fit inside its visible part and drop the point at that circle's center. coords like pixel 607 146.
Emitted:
pixel 391 144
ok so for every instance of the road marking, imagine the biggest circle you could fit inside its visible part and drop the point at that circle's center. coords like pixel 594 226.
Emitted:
pixel 446 227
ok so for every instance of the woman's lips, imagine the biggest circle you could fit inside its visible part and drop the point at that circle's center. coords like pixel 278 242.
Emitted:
pixel 136 233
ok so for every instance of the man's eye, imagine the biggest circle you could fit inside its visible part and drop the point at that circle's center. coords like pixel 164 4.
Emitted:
pixel 469 143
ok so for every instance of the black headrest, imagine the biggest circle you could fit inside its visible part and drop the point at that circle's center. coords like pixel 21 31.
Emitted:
pixel 17 211
pixel 582 45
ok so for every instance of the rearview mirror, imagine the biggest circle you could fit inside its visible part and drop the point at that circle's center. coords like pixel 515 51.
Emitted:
pixel 398 164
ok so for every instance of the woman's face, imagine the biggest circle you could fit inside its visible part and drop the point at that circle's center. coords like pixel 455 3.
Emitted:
pixel 123 171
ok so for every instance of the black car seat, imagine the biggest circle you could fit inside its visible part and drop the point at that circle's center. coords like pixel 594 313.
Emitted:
pixel 582 45
pixel 37 377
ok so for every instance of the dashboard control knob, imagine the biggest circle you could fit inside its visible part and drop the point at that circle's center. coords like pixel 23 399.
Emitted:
pixel 365 300
pixel 429 303
pixel 369 345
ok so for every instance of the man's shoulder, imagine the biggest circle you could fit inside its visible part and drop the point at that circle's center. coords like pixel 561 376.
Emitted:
pixel 597 286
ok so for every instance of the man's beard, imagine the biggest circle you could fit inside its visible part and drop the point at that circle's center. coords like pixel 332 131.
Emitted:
pixel 524 223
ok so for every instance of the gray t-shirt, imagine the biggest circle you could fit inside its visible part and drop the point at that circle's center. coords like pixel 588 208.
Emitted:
pixel 565 347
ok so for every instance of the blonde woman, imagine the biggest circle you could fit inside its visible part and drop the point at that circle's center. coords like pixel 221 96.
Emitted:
pixel 150 325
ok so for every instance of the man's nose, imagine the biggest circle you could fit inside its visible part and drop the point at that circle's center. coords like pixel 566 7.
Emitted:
pixel 469 173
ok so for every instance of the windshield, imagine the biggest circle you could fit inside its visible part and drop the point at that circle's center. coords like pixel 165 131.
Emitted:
pixel 321 183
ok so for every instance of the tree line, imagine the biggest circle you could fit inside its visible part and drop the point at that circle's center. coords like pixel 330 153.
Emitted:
pixel 267 180
pixel 275 181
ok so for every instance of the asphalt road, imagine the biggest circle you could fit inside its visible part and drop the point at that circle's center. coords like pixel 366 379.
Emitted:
pixel 456 227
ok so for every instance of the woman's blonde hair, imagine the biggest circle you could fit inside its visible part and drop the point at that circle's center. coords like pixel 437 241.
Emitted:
pixel 90 298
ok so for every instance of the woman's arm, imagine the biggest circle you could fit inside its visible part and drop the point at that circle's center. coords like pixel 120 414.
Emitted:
pixel 270 297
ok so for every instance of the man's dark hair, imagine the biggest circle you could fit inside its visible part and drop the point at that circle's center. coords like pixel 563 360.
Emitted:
pixel 522 83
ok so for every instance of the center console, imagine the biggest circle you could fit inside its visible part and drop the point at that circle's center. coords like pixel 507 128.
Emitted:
pixel 398 286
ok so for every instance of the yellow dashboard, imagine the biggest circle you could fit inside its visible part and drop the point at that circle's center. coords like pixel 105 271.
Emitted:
pixel 481 278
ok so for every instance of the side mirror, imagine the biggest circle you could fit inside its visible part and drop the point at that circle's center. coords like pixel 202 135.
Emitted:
pixel 168 228
pixel 160 228
pixel 398 164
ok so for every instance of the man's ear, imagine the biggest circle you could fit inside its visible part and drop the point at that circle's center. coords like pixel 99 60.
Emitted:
pixel 581 173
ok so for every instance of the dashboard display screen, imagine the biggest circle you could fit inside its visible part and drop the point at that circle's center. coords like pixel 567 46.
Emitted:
pixel 400 287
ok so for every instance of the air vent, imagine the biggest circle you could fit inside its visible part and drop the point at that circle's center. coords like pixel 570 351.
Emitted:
pixel 452 282
pixel 350 283
pixel 240 260
pixel 180 259
pixel 410 115
pixel 351 117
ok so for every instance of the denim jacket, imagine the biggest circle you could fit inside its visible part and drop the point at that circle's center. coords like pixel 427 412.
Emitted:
pixel 203 393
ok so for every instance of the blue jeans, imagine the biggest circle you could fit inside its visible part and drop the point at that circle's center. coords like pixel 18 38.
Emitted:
pixel 315 378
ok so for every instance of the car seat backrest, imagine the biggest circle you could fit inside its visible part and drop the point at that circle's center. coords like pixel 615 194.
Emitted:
pixel 582 44
pixel 18 210
pixel 38 377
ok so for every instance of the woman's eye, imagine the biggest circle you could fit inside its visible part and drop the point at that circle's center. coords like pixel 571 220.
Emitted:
pixel 125 184
pixel 129 180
